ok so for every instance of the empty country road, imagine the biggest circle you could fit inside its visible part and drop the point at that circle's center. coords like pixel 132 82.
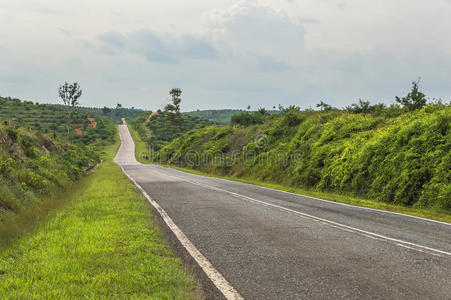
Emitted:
pixel 269 244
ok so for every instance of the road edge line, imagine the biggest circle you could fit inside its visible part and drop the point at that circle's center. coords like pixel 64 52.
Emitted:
pixel 325 221
pixel 214 275
pixel 311 197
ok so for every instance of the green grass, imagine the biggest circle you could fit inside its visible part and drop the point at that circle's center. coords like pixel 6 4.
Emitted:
pixel 140 145
pixel 102 244
pixel 429 213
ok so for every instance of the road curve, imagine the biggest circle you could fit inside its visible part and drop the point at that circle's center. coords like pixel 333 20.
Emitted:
pixel 269 244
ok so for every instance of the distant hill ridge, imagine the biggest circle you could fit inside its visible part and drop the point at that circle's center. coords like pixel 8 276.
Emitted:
pixel 74 125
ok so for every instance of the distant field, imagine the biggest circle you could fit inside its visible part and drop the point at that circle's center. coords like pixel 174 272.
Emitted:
pixel 219 116
pixel 101 245
pixel 59 121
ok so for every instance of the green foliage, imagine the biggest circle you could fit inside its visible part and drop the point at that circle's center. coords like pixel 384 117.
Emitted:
pixel 57 121
pixel 324 106
pixel 220 116
pixel 249 118
pixel 70 93
pixel 366 107
pixel 102 244
pixel 413 100
pixel 33 165
pixel 174 107
pixel 159 129
pixel 391 156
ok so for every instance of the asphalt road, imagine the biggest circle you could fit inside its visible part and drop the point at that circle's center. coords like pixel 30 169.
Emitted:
pixel 274 245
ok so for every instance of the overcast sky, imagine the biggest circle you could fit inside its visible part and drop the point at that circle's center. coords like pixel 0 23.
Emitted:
pixel 225 53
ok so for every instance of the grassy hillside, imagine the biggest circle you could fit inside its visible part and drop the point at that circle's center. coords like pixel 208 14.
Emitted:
pixel 44 149
pixel 391 156
pixel 101 244
pixel 160 128
pixel 59 121
pixel 113 114
pixel 34 166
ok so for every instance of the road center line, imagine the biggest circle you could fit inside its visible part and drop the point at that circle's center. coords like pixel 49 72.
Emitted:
pixel 405 244
pixel 319 199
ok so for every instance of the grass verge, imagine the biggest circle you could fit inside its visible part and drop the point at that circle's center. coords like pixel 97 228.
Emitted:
pixel 433 214
pixel 102 244
pixel 140 145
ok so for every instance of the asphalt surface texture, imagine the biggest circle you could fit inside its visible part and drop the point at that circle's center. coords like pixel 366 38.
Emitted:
pixel 271 244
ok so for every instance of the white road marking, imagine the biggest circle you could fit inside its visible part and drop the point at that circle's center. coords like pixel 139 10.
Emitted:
pixel 218 280
pixel 368 234
pixel 319 199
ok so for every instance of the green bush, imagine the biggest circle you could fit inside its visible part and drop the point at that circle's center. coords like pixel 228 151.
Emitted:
pixel 394 156
pixel 33 165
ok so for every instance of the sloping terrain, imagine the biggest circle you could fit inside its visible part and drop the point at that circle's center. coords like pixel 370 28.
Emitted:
pixel 58 121
pixel 217 116
pixel 160 128
pixel 33 166
pixel 403 158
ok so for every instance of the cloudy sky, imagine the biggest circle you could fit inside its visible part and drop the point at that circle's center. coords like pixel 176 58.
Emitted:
pixel 225 53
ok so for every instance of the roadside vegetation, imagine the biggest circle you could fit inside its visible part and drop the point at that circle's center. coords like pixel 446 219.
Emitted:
pixel 44 149
pixel 398 155
pixel 101 244
pixel 34 166
pixel 159 128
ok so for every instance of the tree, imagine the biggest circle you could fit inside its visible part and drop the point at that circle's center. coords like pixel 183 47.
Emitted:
pixel 263 111
pixel 415 99
pixel 106 110
pixel 118 106
pixel 70 93
pixel 176 100
pixel 248 107
pixel 365 107
pixel 361 107
pixel 324 106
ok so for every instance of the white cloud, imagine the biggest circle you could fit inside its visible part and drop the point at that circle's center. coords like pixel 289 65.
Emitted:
pixel 158 47
pixel 225 53
pixel 249 27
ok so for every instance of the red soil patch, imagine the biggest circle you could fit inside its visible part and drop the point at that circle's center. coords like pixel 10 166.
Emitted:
pixel 78 130
pixel 93 123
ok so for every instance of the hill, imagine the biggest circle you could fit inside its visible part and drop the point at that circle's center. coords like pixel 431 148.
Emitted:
pixel 219 116
pixel 113 114
pixel 390 155
pixel 159 128
pixel 33 166
pixel 58 121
